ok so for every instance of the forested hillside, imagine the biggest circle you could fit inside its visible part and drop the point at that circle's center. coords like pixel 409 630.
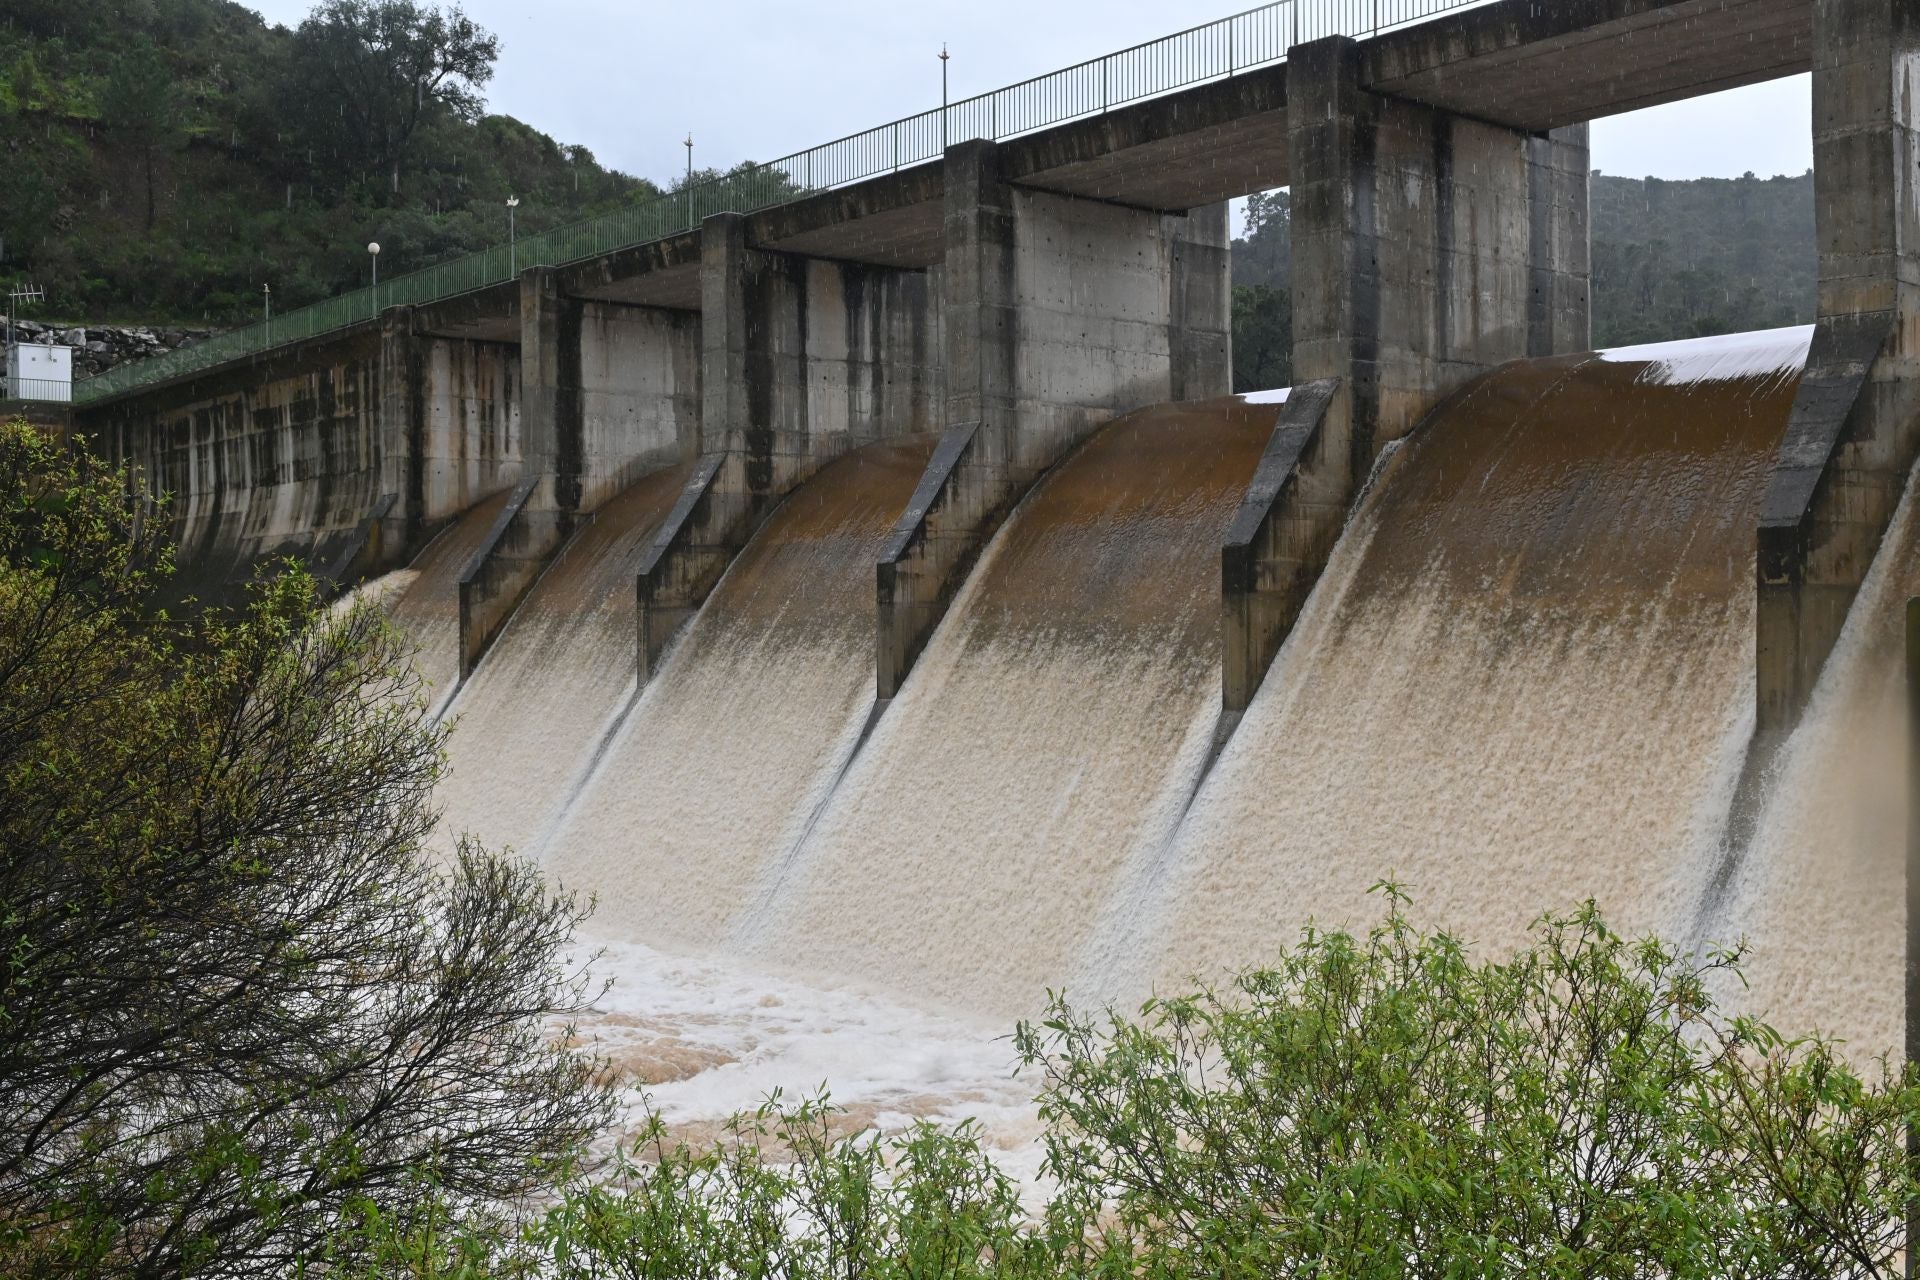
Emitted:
pixel 1670 260
pixel 165 159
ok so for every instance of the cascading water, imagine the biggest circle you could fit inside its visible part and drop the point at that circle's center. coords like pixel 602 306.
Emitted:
pixel 725 755
pixel 1818 894
pixel 1526 677
pixel 1049 736
pixel 427 607
pixel 557 679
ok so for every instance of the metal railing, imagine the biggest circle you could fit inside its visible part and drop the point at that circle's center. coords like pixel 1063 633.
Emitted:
pixel 55 389
pixel 1246 41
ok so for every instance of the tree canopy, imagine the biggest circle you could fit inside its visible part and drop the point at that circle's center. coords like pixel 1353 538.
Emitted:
pixel 241 999
pixel 362 75
pixel 166 158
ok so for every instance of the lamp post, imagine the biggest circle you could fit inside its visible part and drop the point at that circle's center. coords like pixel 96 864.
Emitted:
pixel 688 186
pixel 943 97
pixel 266 291
pixel 373 250
pixel 513 250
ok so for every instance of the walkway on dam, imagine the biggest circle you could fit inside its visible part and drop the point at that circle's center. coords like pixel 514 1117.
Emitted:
pixel 1178 124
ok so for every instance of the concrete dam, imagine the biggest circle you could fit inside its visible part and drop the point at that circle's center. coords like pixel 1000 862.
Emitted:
pixel 876 599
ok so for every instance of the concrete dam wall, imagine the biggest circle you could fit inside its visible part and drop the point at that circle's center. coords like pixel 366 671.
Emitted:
pixel 876 601
pixel 1525 678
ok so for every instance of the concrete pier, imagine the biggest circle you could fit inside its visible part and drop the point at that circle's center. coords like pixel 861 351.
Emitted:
pixel 1061 313
pixel 1855 428
pixel 1428 247
pixel 802 359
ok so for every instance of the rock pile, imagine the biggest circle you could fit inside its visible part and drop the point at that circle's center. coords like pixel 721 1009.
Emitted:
pixel 97 349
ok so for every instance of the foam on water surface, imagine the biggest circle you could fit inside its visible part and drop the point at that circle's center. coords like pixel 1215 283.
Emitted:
pixel 708 1038
pixel 1769 353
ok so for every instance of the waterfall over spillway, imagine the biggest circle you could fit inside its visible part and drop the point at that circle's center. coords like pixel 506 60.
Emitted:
pixel 1525 678
pixel 1049 736
pixel 426 606
pixel 557 678
pixel 718 767
pixel 1818 894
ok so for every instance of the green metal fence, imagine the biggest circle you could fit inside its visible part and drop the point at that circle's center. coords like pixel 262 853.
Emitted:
pixel 1259 37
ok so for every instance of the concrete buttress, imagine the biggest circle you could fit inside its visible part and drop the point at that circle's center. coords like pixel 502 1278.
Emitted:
pixel 1427 248
pixel 1855 426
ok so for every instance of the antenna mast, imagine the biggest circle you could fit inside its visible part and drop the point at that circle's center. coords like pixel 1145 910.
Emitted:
pixel 16 295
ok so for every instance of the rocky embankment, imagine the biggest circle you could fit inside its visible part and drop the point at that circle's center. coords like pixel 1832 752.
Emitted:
pixel 97 348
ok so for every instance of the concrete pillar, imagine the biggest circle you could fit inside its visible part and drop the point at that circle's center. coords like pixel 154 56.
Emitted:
pixel 1061 313
pixel 1426 247
pixel 725 416
pixel 1855 426
pixel 545 505
pixel 550 412
pixel 1200 305
pixel 1559 243
pixel 980 326
pixel 402 429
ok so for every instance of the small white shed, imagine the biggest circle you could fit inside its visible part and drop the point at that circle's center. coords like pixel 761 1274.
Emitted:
pixel 39 371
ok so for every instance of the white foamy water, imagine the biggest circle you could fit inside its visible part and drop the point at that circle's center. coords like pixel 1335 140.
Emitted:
pixel 1525 678
pixel 1770 353
pixel 714 773
pixel 708 1038
pixel 1820 893
pixel 1043 747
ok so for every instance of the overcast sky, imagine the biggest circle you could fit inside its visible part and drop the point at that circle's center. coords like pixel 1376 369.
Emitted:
pixel 756 79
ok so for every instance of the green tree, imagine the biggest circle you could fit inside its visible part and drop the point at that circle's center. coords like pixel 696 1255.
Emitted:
pixel 1264 254
pixel 363 74
pixel 138 107
pixel 1262 337
pixel 787 1195
pixel 1381 1106
pixel 241 1002
pixel 1388 1107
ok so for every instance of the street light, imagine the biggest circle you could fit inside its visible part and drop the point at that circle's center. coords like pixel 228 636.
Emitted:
pixel 373 247
pixel 943 97
pixel 513 251
pixel 688 187
pixel 267 290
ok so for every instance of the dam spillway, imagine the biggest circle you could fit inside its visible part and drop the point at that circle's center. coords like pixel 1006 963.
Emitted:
pixel 1051 733
pixel 718 768
pixel 1525 678
pixel 557 680
pixel 1817 890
